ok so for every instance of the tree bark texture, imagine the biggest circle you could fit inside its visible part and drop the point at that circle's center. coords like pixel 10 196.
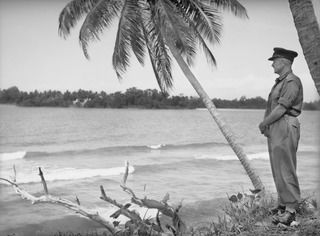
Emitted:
pixel 308 30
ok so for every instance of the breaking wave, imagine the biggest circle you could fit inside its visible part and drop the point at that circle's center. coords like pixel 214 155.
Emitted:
pixel 68 174
pixel 106 150
pixel 12 156
pixel 253 156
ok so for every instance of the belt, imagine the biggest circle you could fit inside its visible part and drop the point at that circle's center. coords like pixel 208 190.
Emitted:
pixel 293 113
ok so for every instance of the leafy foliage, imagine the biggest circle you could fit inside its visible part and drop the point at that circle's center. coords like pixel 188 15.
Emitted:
pixel 152 27
pixel 131 98
pixel 244 205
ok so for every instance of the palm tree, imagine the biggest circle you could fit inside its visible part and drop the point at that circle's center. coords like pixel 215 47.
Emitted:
pixel 308 30
pixel 158 28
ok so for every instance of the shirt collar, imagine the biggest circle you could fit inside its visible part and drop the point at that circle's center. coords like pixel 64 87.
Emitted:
pixel 283 76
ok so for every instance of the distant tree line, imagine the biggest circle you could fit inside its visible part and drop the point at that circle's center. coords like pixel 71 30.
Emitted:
pixel 131 98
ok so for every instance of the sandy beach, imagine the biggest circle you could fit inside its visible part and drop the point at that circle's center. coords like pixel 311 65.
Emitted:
pixel 192 214
pixel 74 224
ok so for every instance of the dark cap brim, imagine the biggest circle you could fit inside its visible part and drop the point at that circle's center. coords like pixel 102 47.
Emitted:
pixel 274 57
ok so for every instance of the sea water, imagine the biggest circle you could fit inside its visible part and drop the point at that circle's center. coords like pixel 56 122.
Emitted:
pixel 180 152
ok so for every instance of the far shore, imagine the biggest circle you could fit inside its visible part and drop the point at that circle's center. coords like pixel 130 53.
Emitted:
pixel 144 108
pixel 131 98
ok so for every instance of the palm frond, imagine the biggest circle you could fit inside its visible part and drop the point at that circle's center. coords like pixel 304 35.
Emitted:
pixel 206 18
pixel 232 5
pixel 170 23
pixel 157 50
pixel 177 30
pixel 72 13
pixel 214 17
pixel 160 79
pixel 192 24
pixel 191 48
pixel 137 39
pixel 128 33
pixel 97 19
pixel 210 58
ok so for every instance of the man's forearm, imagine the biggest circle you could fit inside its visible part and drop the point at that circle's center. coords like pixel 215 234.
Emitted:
pixel 275 115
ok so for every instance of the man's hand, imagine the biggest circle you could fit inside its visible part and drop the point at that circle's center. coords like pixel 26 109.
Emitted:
pixel 262 127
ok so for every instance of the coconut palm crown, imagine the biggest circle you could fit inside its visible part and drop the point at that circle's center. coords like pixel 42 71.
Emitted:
pixel 161 29
pixel 147 26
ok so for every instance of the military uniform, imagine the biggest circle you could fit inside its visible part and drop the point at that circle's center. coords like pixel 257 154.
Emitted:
pixel 283 137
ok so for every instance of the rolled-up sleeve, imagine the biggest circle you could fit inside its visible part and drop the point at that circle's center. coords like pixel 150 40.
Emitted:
pixel 288 94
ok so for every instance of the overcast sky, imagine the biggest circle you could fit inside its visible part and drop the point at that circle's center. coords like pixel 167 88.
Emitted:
pixel 33 56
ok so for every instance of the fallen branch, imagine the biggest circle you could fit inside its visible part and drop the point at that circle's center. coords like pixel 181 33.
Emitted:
pixel 50 199
pixel 134 225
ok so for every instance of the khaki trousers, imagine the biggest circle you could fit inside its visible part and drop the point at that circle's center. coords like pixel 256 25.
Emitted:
pixel 283 139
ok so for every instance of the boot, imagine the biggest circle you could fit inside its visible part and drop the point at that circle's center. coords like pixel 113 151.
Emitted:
pixel 286 218
pixel 276 210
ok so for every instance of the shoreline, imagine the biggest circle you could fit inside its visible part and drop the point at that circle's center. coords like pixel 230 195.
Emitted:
pixel 193 214
pixel 72 223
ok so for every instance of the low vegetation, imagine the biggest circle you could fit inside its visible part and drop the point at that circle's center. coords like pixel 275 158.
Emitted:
pixel 247 215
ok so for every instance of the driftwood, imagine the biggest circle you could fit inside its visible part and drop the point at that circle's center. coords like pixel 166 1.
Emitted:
pixel 135 224
pixel 61 202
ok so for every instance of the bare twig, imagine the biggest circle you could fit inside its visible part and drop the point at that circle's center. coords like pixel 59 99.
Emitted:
pixel 14 174
pixel 123 208
pixel 10 182
pixel 107 199
pixel 43 182
pixel 145 214
pixel 158 221
pixel 166 198
pixel 126 173
pixel 178 224
pixel 78 201
pixel 128 190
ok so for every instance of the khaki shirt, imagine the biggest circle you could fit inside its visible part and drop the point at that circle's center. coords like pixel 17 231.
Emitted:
pixel 288 92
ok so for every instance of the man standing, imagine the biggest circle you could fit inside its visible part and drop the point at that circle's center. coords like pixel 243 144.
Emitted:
pixel 282 129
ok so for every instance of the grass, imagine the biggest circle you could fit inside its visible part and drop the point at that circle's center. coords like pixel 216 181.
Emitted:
pixel 248 215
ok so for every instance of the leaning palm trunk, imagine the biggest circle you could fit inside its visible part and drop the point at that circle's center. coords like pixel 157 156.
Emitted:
pixel 225 129
pixel 309 35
